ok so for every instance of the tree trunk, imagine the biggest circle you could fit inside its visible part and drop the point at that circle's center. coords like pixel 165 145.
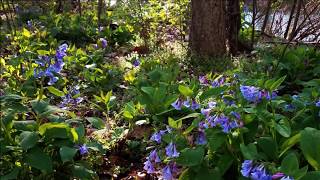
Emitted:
pixel 100 4
pixel 233 24
pixel 266 18
pixel 290 19
pixel 208 29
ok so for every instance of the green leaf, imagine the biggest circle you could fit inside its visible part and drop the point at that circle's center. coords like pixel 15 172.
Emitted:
pixel 310 146
pixel 289 143
pixel 191 157
pixel 148 90
pixel 12 175
pixel 192 115
pixel 38 159
pixel 54 130
pixel 276 84
pixel 185 175
pixel 42 52
pixel 28 139
pixel 215 139
pixel 96 122
pixel 26 33
pixel 74 134
pixel 283 128
pixel 249 152
pixel 313 175
pixel 186 91
pixel 174 124
pixel 269 147
pixel 290 164
pixel 81 172
pixel 224 163
pixel 212 92
pixel 55 91
pixel 67 153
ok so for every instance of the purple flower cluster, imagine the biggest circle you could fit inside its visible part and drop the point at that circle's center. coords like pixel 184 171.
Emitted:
pixel 136 63
pixel 257 172
pixel 186 103
pixel 104 42
pixel 50 70
pixel 216 83
pixel 72 98
pixel 318 103
pixel 254 94
pixel 153 160
pixel 226 123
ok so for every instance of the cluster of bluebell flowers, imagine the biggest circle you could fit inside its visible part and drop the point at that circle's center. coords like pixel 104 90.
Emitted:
pixel 72 98
pixel 179 103
pixel 216 83
pixel 256 171
pixel 47 68
pixel 83 149
pixel 153 161
pixel 255 94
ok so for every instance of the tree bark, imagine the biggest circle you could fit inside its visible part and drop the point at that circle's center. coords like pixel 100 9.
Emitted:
pixel 254 13
pixel 233 25
pixel 208 29
pixel 100 4
pixel 290 19
pixel 295 23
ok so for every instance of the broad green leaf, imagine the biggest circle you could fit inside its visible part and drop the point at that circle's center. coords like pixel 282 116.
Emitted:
pixel 185 175
pixel 269 147
pixel 38 159
pixel 283 128
pixel 67 153
pixel 81 172
pixel 42 52
pixel 96 122
pixel 28 139
pixel 12 175
pixel 148 90
pixel 186 91
pixel 310 146
pixel 55 91
pixel 289 143
pixel 276 84
pixel 249 152
pixel 215 139
pixel 174 124
pixel 74 134
pixel 224 163
pixel 313 175
pixel 290 164
pixel 212 92
pixel 54 130
pixel 191 157
pixel 192 115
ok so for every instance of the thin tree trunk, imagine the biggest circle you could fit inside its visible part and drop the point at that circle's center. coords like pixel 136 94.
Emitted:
pixel 11 16
pixel 295 23
pixel 254 10
pixel 290 19
pixel 208 30
pixel 266 18
pixel 233 25
pixel 100 4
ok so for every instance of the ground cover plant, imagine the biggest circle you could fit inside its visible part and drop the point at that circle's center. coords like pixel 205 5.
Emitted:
pixel 123 90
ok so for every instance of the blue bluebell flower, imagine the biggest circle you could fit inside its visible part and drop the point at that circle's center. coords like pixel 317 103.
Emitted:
pixel 205 112
pixel 287 178
pixel 29 24
pixel 318 103
pixel 201 139
pixel 295 97
pixel 157 136
pixel 186 103
pixel 171 150
pixel 203 80
pixel 250 93
pixel 153 156
pixel 136 63
pixel 166 173
pixel 289 107
pixel 246 168
pixel 148 166
pixel 236 115
pixel 259 173
pixel 177 104
pixel 83 149
pixel 194 105
pixel 104 42
pixel 212 104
